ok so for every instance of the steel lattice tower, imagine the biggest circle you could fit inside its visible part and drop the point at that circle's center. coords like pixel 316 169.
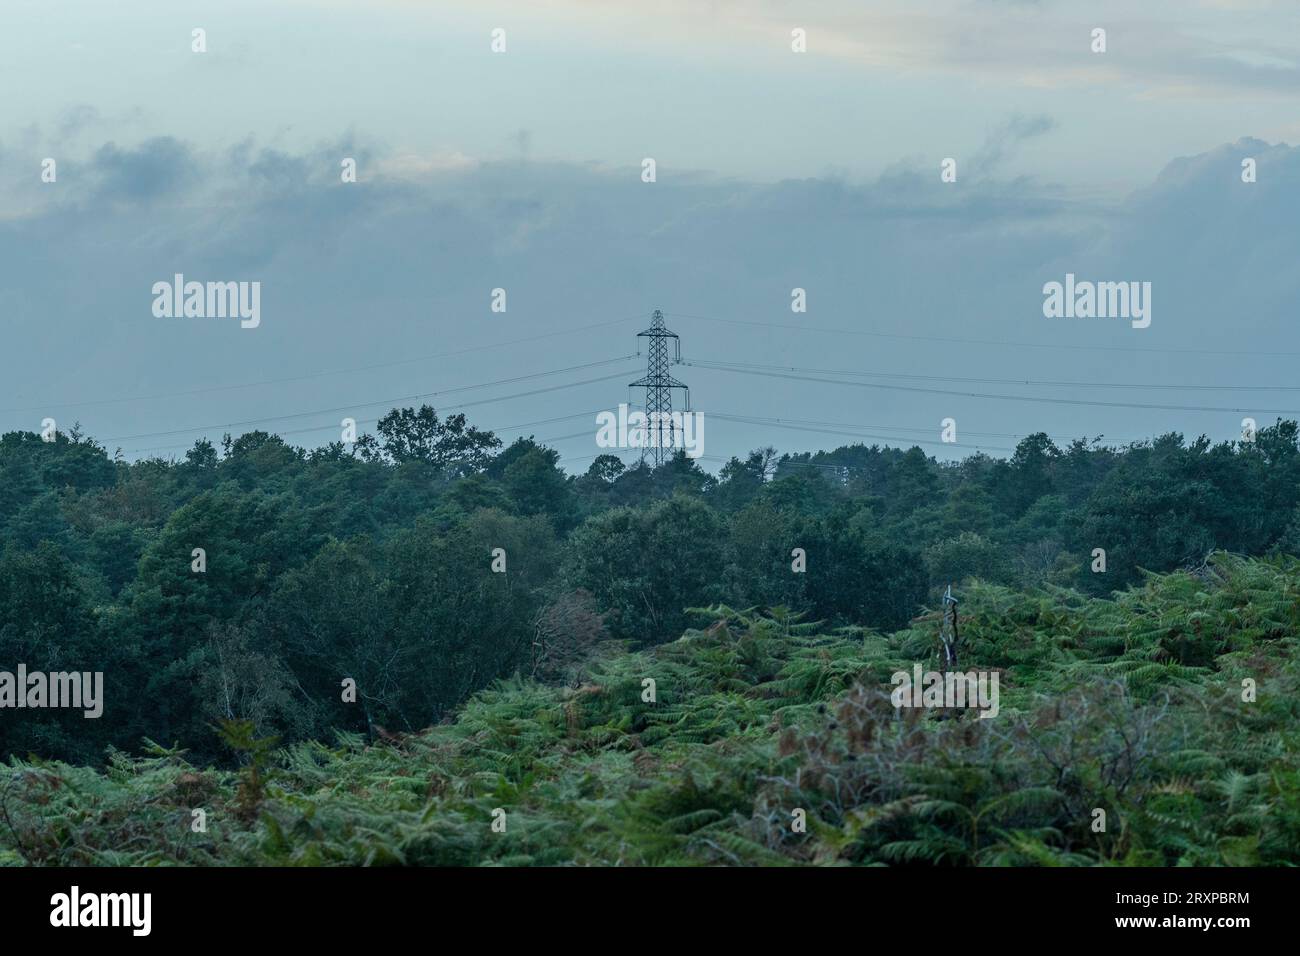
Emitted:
pixel 659 387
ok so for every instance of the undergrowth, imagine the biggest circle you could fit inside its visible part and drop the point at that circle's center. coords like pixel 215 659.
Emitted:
pixel 1132 706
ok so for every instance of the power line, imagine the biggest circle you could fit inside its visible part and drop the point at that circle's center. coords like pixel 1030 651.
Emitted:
pixel 950 340
pixel 372 421
pixel 858 431
pixel 806 428
pixel 852 430
pixel 390 401
pixel 707 363
pixel 850 434
pixel 310 375
pixel 798 424
pixel 582 434
pixel 837 428
pixel 1011 398
pixel 795 424
pixel 794 462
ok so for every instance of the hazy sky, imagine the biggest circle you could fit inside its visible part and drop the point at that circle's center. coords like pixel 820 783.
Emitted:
pixel 775 169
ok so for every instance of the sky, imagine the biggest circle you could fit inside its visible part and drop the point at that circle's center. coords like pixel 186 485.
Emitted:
pixel 522 170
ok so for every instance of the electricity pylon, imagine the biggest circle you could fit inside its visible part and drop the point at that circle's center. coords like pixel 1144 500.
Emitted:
pixel 661 432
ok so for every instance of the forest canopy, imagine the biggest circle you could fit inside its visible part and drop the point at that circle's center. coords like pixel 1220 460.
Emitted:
pixel 375 562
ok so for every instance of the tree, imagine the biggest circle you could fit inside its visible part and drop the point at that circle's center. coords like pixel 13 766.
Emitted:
pixel 856 580
pixel 451 445
pixel 739 482
pixel 681 474
pixel 968 555
pixel 333 620
pixel 564 632
pixel 240 682
pixel 605 469
pixel 649 564
pixel 47 625
pixel 535 483
pixel 248 539
pixel 469 623
pixel 759 556
pixel 1031 473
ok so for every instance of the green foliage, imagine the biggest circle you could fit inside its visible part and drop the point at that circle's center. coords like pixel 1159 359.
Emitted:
pixel 646 565
pixel 374 564
pixel 241 737
pixel 757 714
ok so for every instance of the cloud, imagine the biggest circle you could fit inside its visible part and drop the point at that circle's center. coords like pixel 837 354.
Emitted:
pixel 154 169
pixel 401 265
pixel 1158 47
pixel 76 119
pixel 1003 140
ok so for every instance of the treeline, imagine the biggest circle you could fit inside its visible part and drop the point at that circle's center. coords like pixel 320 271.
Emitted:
pixel 376 562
